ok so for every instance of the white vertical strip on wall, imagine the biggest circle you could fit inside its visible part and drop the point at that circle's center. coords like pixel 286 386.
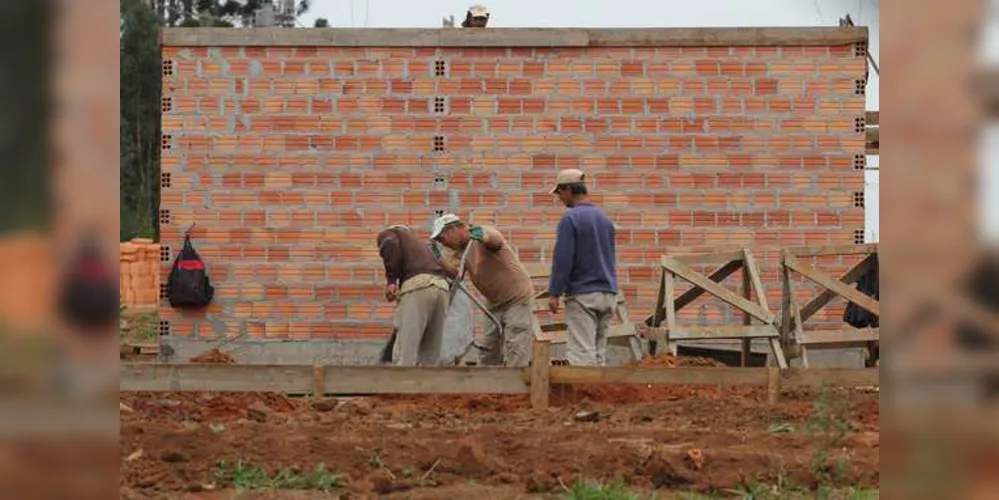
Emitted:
pixel 871 189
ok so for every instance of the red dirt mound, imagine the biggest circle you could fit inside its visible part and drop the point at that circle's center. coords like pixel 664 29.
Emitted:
pixel 207 407
pixel 670 361
pixel 214 357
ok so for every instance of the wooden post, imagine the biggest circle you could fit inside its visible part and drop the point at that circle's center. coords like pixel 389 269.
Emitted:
pixel 670 306
pixel 541 366
pixel 318 381
pixel 773 385
pixel 747 320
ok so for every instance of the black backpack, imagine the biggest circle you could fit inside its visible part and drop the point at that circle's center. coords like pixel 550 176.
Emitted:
pixel 188 286
pixel 89 296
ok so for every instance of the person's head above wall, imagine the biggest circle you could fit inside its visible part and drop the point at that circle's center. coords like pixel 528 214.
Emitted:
pixel 476 17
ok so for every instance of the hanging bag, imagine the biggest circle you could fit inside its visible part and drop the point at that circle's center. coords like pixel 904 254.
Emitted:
pixel 88 296
pixel 189 286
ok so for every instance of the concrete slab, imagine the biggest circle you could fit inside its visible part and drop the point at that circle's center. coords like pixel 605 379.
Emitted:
pixel 511 37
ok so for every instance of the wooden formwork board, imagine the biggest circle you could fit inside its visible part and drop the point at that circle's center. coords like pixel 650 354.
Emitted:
pixel 536 380
pixel 758 321
pixel 621 332
pixel 793 323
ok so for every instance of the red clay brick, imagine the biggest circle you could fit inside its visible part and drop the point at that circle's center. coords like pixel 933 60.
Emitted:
pixel 338 142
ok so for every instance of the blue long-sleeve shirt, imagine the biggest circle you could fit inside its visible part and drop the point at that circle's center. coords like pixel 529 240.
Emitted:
pixel 584 260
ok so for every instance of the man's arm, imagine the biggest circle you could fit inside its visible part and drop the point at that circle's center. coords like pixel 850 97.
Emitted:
pixel 565 254
pixel 492 239
pixel 391 253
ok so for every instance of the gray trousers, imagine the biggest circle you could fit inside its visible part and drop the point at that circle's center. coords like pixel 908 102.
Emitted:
pixel 588 318
pixel 419 323
pixel 512 345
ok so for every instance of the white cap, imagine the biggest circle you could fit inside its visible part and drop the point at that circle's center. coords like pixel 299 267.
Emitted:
pixel 568 176
pixel 441 223
pixel 478 11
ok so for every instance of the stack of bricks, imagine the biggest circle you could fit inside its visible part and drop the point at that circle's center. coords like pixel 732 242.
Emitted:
pixel 291 149
pixel 139 277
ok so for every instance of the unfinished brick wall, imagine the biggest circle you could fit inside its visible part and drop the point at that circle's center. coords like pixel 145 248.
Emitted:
pixel 291 158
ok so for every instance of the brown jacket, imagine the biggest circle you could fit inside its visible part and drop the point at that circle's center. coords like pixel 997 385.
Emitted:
pixel 406 256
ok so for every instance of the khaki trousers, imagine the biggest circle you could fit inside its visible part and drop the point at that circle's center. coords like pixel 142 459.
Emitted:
pixel 419 323
pixel 511 346
pixel 588 318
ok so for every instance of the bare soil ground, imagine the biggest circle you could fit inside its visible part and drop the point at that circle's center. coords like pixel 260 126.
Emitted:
pixel 663 438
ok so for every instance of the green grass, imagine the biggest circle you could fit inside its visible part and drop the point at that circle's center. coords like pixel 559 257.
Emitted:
pixel 245 475
pixel 586 490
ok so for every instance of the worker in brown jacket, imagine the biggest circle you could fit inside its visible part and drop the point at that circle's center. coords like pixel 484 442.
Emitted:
pixel 499 276
pixel 415 279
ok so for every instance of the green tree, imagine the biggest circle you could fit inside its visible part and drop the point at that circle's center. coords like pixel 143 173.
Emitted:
pixel 139 123
pixel 25 104
pixel 321 22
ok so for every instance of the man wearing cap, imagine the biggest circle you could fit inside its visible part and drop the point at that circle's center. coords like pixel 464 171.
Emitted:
pixel 476 17
pixel 499 276
pixel 583 271
pixel 415 279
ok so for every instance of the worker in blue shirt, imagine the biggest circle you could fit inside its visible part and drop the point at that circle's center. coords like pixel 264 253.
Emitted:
pixel 583 271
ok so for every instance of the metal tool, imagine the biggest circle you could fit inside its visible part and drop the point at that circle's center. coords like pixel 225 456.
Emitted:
pixel 457 284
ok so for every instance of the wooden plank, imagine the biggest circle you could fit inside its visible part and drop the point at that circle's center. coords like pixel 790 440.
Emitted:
pixel 830 377
pixel 747 320
pixel 824 280
pixel 456 380
pixel 512 37
pixel 814 338
pixel 755 278
pixel 670 307
pixel 337 379
pixel 707 259
pixel 861 249
pixel 698 279
pixel 541 365
pixel 556 332
pixel 318 381
pixel 722 332
pixel 215 378
pixel 872 117
pixel 851 277
pixel 659 312
pixel 694 293
pixel 789 378
pixel 773 385
pixel 657 375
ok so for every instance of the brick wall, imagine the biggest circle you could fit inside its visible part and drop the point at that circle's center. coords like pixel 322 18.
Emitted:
pixel 291 158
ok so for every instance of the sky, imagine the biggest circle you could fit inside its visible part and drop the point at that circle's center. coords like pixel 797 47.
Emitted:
pixel 633 14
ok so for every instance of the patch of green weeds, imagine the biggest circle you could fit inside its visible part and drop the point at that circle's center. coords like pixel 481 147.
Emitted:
pixel 587 490
pixel 245 475
pixel 828 427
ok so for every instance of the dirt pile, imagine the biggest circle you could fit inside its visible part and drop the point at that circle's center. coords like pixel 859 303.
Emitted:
pixel 669 361
pixel 633 393
pixel 206 407
pixel 698 439
pixel 214 357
